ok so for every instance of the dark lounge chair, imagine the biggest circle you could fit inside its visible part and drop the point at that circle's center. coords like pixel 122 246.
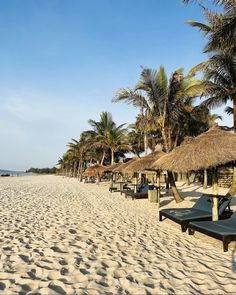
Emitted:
pixel 142 192
pixel 201 211
pixel 224 230
pixel 115 189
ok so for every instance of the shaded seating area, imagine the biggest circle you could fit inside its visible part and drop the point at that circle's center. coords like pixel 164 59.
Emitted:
pixel 224 230
pixel 201 211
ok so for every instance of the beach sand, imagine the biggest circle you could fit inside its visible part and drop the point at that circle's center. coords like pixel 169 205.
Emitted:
pixel 59 236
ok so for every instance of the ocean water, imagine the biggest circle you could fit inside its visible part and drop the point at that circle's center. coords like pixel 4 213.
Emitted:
pixel 14 173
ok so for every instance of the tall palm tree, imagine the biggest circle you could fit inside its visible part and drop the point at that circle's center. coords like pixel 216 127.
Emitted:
pixel 162 103
pixel 220 69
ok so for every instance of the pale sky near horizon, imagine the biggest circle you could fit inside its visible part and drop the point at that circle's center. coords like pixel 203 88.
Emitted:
pixel 61 62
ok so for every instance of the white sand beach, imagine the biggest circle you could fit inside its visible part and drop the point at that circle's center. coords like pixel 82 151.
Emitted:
pixel 59 236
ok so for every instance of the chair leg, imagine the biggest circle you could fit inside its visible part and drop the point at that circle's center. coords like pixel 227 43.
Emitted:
pixel 190 231
pixel 184 227
pixel 226 242
pixel 160 216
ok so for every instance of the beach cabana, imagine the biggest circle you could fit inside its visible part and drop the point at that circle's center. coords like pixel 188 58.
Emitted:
pixel 208 150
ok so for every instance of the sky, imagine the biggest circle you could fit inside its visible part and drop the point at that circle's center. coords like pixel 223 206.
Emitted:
pixel 61 62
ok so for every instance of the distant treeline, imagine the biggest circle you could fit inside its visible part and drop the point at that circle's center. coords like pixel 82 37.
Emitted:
pixel 42 170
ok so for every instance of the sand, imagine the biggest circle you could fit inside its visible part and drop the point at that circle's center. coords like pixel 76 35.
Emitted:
pixel 59 236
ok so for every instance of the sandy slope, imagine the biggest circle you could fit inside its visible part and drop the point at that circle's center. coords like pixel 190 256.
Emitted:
pixel 58 236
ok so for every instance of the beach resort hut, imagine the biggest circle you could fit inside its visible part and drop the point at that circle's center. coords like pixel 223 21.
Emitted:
pixel 208 150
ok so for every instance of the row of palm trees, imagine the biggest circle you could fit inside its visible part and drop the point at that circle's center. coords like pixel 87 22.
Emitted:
pixel 167 110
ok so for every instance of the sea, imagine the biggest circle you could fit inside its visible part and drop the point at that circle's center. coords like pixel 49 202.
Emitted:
pixel 14 173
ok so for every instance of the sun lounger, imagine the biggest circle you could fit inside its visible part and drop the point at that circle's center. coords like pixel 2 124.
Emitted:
pixel 142 192
pixel 126 187
pixel 224 230
pixel 201 210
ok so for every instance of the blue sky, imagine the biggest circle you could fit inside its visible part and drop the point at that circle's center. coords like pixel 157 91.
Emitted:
pixel 61 62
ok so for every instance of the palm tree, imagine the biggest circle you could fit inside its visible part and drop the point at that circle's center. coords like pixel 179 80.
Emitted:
pixel 221 27
pixel 108 136
pixel 162 103
pixel 135 139
pixel 146 104
pixel 220 69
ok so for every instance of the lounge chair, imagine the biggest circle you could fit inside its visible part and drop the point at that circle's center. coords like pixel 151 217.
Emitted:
pixel 142 192
pixel 201 211
pixel 125 188
pixel 224 230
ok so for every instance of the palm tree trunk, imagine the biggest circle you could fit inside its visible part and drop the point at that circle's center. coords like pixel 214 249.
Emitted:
pixel 188 179
pixel 145 143
pixel 232 190
pixel 175 192
pixel 112 157
pixel 74 171
pixel 234 110
pixel 103 157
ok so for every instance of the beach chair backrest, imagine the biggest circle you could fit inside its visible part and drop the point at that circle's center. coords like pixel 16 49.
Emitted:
pixel 224 203
pixel 204 204
pixel 233 215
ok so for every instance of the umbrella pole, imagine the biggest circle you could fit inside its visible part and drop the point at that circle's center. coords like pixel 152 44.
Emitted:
pixel 111 180
pixel 158 189
pixel 135 183
pixel 215 191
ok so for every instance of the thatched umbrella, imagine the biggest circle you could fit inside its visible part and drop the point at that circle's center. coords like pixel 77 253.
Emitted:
pixel 209 149
pixel 144 163
pixel 96 171
pixel 110 168
pixel 121 168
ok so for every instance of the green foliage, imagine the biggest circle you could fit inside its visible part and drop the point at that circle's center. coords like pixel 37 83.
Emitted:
pixel 42 170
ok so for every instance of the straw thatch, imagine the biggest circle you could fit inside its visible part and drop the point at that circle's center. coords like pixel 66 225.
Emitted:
pixel 109 169
pixel 209 149
pixel 120 168
pixel 96 170
pixel 144 163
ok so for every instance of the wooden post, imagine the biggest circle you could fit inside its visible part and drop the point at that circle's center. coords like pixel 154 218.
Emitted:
pixel 205 179
pixel 111 181
pixel 158 189
pixel 135 183
pixel 152 196
pixel 215 191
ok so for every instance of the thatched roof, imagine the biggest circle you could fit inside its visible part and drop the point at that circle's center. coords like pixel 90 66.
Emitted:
pixel 96 170
pixel 121 167
pixel 143 163
pixel 209 149
pixel 110 168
